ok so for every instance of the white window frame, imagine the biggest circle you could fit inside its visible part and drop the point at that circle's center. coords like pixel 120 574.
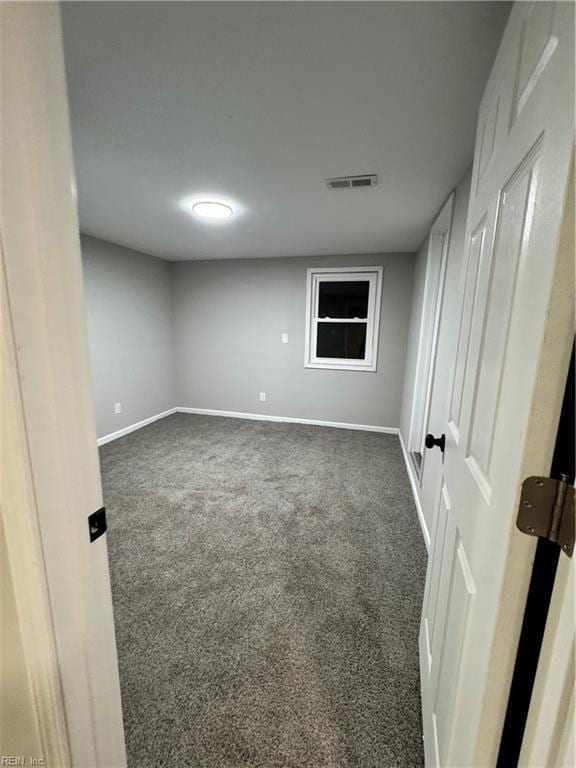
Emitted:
pixel 317 275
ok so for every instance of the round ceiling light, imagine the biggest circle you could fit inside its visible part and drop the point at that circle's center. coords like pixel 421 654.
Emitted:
pixel 209 209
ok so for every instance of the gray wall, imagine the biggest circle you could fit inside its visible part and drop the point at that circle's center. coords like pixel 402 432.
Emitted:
pixel 449 329
pixel 129 313
pixel 228 318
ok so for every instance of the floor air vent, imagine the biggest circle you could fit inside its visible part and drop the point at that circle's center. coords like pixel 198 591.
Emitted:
pixel 349 182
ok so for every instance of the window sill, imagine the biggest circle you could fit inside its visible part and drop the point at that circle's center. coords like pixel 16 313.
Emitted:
pixel 341 367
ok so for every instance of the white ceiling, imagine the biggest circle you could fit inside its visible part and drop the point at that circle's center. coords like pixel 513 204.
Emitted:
pixel 258 103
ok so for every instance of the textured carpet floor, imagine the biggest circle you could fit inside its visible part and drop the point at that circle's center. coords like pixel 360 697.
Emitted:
pixel 267 582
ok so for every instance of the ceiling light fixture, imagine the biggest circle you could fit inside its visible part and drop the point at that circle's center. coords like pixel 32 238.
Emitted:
pixel 210 209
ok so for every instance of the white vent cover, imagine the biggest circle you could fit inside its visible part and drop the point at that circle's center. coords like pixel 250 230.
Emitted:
pixel 351 182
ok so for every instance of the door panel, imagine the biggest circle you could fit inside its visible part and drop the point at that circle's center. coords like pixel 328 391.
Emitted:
pixel 537 45
pixel 450 590
pixel 476 256
pixel 430 607
pixel 488 138
pixel 492 321
pixel 523 147
pixel 461 591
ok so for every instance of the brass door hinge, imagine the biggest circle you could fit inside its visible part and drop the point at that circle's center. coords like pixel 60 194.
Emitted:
pixel 547 510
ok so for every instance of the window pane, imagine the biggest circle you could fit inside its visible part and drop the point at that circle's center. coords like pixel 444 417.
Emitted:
pixel 341 299
pixel 342 340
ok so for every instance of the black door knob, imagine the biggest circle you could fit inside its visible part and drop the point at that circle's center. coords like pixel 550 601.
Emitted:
pixel 431 441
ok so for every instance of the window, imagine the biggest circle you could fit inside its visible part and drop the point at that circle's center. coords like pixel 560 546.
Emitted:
pixel 343 318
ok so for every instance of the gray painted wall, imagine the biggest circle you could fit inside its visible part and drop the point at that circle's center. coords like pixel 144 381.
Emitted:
pixel 129 313
pixel 228 318
pixel 449 327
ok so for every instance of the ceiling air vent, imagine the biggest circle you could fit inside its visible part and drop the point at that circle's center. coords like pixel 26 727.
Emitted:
pixel 349 182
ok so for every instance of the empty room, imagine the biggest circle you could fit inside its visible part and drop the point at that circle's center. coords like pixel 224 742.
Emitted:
pixel 288 384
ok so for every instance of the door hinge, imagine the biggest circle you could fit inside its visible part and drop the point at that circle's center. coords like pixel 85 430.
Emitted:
pixel 547 510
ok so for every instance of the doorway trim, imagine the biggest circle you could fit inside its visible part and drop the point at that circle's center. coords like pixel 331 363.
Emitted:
pixel 25 555
pixel 50 378
pixel 433 296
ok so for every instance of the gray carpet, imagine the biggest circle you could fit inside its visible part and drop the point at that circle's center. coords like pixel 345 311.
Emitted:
pixel 267 582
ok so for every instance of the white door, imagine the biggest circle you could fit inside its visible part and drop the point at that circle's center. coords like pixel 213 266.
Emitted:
pixel 515 334
pixel 444 357
pixel 58 457
pixel 436 259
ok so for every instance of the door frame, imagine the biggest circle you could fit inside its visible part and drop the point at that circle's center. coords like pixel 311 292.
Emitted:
pixel 25 556
pixel 433 296
pixel 62 585
pixel 539 599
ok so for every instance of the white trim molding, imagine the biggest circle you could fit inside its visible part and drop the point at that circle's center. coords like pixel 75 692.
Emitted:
pixel 316 275
pixel 25 561
pixel 414 486
pixel 288 419
pixel 240 415
pixel 133 427
pixel 432 302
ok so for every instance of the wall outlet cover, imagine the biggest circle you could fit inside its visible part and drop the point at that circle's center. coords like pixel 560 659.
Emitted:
pixel 117 408
pixel 284 338
pixel 262 397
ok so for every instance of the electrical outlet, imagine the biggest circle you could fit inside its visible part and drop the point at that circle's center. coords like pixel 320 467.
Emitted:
pixel 117 408
pixel 262 397
pixel 284 338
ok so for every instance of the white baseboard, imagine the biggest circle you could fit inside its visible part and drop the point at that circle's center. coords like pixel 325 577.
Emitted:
pixel 291 420
pixel 133 427
pixel 414 486
pixel 288 419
